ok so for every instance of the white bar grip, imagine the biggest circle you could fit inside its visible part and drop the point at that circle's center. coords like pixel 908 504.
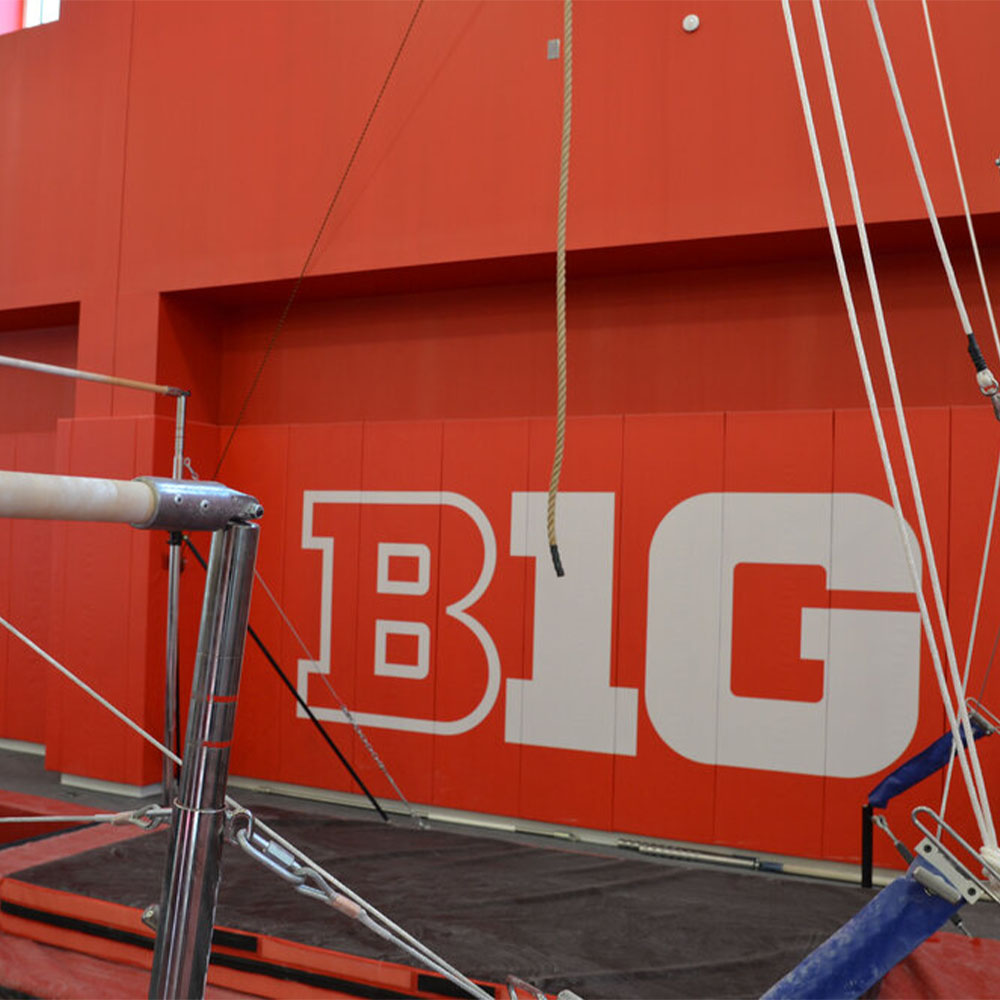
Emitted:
pixel 74 498
pixel 146 502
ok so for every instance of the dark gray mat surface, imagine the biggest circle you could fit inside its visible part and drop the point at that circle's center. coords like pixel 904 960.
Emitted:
pixel 607 926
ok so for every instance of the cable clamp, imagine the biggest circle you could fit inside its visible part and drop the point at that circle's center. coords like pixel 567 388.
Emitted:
pixel 987 382
pixel 240 831
pixel 990 388
pixel 947 862
pixel 145 818
pixel 883 824
pixel 982 716
pixel 281 861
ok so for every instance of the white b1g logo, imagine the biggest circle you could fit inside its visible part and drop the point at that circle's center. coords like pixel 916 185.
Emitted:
pixel 868 708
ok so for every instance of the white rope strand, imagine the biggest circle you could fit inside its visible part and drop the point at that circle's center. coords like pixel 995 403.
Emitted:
pixel 858 343
pixel 919 170
pixel 978 786
pixel 115 818
pixel 996 343
pixel 856 335
pixel 961 181
pixel 973 629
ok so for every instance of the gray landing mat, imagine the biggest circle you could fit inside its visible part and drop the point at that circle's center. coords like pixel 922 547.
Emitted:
pixel 603 924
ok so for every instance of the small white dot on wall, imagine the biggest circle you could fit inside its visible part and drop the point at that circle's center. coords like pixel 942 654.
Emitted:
pixel 691 23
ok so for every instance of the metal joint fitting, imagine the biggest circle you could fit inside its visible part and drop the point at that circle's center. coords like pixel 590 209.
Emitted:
pixel 186 505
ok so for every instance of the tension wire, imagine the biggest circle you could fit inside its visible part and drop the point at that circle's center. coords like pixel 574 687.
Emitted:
pixel 312 250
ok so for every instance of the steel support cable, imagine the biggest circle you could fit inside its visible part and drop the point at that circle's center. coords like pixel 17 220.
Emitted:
pixel 961 180
pixel 859 344
pixel 276 667
pixel 956 713
pixel 996 343
pixel 989 832
pixel 987 301
pixel 346 890
pixel 567 121
pixel 390 930
pixel 315 244
pixel 355 725
pixel 348 715
pixel 984 377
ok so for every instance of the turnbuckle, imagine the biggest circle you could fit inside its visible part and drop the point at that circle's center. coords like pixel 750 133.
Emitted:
pixel 278 859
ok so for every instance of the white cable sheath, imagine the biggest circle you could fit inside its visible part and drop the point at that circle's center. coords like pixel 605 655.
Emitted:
pixel 918 169
pixel 75 498
pixel 858 343
pixel 961 181
pixel 977 788
pixel 996 343
pixel 973 629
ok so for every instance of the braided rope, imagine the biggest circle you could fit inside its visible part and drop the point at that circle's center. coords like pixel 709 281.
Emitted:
pixel 557 458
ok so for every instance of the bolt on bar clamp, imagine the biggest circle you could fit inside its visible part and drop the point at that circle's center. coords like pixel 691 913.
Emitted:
pixel 196 505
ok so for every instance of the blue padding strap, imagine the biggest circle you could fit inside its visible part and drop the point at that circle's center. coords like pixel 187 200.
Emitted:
pixel 925 763
pixel 901 917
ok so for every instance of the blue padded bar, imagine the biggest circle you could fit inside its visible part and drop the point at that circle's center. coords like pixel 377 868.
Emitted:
pixel 901 917
pixel 925 763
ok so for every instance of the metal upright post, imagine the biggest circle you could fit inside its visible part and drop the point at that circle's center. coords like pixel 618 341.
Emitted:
pixel 170 687
pixel 191 880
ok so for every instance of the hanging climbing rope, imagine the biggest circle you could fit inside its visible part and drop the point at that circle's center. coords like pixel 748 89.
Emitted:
pixel 567 121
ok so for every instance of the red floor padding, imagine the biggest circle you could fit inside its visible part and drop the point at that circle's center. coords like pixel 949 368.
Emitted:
pixel 946 965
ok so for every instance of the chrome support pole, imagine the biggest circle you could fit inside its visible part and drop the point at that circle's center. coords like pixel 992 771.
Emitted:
pixel 170 685
pixel 191 879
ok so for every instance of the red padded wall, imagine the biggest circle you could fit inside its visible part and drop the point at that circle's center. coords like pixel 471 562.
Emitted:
pixel 168 212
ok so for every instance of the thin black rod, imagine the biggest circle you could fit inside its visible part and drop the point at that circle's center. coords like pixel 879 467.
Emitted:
pixel 305 707
pixel 867 847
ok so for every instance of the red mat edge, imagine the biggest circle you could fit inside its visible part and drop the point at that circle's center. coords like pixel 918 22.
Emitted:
pixel 269 951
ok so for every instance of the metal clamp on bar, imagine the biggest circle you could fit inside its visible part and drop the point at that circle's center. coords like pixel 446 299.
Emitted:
pixel 946 861
pixel 145 818
pixel 982 716
pixel 181 505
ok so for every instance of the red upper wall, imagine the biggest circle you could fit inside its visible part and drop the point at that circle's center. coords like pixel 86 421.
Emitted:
pixel 222 129
pixel 242 118
pixel 151 147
